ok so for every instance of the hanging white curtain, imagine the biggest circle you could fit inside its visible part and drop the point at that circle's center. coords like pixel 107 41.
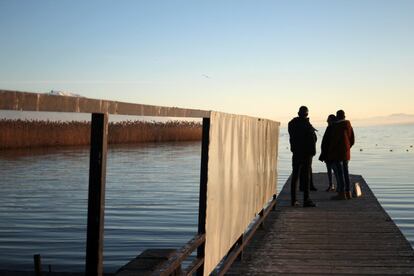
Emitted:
pixel 242 177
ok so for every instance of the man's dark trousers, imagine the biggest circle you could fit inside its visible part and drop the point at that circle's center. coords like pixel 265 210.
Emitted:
pixel 301 168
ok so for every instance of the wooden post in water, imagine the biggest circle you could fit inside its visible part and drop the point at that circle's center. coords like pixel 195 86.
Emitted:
pixel 96 194
pixel 203 189
pixel 37 265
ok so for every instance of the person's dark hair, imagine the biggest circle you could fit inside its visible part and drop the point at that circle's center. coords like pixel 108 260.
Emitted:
pixel 340 114
pixel 331 118
pixel 303 111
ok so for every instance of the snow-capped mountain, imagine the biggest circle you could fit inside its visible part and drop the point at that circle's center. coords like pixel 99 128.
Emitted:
pixel 63 93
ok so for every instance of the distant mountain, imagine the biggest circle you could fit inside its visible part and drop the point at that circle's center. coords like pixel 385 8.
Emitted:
pixel 393 119
pixel 63 93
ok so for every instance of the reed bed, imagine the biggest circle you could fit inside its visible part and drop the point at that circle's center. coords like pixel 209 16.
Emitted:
pixel 34 133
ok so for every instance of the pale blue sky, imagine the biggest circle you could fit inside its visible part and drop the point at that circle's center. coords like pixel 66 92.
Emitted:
pixel 260 58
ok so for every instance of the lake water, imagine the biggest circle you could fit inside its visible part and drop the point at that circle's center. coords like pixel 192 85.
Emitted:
pixel 152 196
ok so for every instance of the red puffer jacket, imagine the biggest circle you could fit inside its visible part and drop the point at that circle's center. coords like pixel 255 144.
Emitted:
pixel 342 140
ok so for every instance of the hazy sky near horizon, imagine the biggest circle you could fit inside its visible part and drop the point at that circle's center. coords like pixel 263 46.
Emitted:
pixel 259 58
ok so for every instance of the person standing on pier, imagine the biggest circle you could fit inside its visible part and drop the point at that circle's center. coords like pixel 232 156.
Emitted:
pixel 326 140
pixel 302 140
pixel 340 152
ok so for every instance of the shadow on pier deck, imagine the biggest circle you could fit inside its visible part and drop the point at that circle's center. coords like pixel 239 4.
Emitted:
pixel 337 237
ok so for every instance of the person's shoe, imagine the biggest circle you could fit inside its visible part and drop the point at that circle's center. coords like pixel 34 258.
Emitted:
pixel 348 195
pixel 295 203
pixel 329 189
pixel 309 203
pixel 339 196
pixel 313 188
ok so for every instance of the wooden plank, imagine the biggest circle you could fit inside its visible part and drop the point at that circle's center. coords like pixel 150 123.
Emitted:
pixel 25 101
pixel 96 195
pixel 194 266
pixel 337 237
pixel 147 262
pixel 179 256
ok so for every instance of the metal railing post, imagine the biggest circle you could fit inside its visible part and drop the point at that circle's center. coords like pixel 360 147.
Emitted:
pixel 96 195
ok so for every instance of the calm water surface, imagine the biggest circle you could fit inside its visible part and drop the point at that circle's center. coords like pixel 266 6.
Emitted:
pixel 152 196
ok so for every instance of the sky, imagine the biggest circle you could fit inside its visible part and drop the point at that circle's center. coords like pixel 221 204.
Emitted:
pixel 258 58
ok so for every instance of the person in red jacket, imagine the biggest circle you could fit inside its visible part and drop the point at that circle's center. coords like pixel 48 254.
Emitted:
pixel 340 153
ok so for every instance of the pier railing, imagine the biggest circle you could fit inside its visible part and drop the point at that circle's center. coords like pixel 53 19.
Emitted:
pixel 237 178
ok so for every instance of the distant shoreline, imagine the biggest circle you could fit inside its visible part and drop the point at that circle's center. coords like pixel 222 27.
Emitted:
pixel 16 134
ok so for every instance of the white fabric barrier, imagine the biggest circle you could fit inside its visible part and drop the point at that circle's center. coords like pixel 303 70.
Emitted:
pixel 242 177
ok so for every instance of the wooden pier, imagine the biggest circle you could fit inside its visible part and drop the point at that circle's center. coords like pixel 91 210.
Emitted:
pixel 337 237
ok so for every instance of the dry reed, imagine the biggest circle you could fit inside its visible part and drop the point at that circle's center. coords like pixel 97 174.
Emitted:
pixel 33 133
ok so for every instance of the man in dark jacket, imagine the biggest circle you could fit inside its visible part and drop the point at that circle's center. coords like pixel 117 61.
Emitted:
pixel 302 140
